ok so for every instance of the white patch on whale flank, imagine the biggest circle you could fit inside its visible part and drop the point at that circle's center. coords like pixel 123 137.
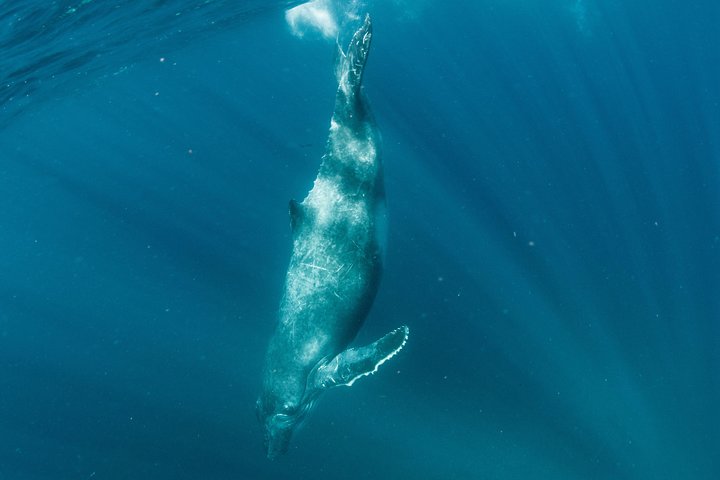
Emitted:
pixel 326 200
pixel 311 349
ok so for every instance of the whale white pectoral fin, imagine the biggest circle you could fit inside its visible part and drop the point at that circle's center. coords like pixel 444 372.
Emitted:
pixel 297 214
pixel 353 363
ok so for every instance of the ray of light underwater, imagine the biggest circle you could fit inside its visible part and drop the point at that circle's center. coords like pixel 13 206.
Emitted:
pixel 553 186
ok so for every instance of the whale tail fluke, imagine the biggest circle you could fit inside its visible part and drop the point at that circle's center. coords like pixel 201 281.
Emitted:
pixel 354 363
pixel 352 63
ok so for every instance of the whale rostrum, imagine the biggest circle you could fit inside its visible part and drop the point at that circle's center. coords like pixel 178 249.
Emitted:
pixel 334 268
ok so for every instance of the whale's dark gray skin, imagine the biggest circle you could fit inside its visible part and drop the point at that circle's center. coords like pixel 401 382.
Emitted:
pixel 334 269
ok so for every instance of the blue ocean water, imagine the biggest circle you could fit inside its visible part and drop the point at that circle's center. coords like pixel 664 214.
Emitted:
pixel 553 184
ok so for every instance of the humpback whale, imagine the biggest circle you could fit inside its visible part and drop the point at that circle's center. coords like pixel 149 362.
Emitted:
pixel 334 268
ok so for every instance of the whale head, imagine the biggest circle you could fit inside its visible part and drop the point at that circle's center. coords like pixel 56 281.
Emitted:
pixel 278 430
pixel 279 420
pixel 286 399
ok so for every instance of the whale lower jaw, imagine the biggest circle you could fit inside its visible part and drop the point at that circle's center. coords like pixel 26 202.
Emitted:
pixel 355 363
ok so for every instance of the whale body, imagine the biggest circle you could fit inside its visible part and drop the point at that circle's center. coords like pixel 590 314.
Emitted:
pixel 334 269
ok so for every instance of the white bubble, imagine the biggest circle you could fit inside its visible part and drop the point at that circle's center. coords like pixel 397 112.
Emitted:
pixel 317 15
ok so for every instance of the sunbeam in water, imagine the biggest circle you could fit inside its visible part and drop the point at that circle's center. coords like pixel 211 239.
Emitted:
pixel 553 193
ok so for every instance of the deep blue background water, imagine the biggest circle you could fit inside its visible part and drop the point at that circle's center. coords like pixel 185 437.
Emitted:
pixel 553 177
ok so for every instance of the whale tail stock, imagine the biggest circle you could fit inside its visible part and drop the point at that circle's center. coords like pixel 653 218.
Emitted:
pixel 351 64
pixel 353 363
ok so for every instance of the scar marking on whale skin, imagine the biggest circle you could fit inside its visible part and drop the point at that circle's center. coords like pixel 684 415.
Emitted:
pixel 312 265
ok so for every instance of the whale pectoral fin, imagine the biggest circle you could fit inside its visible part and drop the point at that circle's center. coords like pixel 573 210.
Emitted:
pixel 354 363
pixel 297 214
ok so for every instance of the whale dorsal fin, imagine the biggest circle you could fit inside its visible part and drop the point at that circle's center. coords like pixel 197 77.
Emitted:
pixel 297 214
pixel 354 363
